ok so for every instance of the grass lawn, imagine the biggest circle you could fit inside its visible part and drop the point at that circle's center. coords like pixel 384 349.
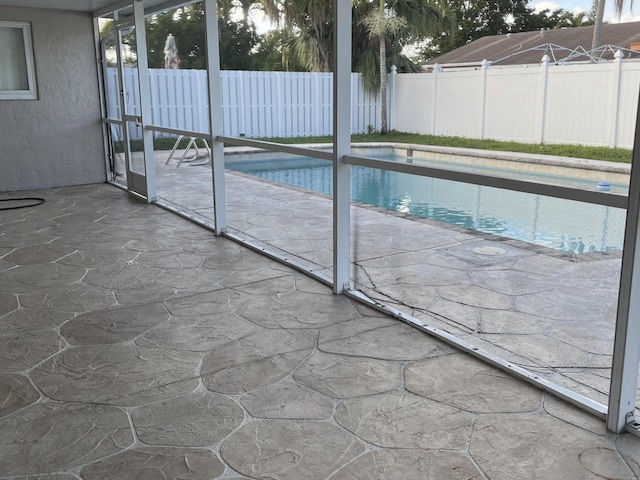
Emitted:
pixel 622 155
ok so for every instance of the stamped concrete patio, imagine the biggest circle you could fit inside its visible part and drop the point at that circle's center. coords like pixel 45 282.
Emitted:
pixel 550 312
pixel 136 345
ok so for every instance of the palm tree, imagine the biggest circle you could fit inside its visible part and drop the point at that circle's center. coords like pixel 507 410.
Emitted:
pixel 597 26
pixel 379 24
pixel 619 5
pixel 380 30
pixel 394 24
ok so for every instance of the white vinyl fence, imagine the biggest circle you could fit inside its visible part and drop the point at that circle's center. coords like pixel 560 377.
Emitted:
pixel 255 104
pixel 588 104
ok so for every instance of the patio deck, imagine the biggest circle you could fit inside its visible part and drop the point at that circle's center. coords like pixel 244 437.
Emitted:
pixel 137 345
pixel 550 312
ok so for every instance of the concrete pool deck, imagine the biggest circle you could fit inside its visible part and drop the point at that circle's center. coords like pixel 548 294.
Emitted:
pixel 550 312
pixel 134 344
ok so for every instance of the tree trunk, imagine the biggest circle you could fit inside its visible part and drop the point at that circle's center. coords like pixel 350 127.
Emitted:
pixel 597 27
pixel 383 86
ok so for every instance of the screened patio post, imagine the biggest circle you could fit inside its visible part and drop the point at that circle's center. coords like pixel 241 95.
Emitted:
pixel 215 115
pixel 341 144
pixel 626 348
pixel 145 100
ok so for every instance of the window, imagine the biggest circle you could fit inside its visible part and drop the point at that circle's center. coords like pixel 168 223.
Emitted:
pixel 17 73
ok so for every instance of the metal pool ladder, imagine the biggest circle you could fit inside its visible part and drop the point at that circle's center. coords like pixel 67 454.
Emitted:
pixel 196 158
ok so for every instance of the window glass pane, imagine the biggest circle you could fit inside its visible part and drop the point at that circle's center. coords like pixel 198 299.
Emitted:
pixel 13 63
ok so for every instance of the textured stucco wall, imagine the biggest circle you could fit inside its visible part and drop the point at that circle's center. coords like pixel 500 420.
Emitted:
pixel 57 139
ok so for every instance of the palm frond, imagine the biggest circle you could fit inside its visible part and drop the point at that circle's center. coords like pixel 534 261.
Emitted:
pixel 368 65
pixel 619 5
pixel 381 25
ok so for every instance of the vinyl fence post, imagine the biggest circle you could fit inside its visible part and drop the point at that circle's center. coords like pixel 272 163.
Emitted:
pixel 615 111
pixel 483 108
pixel 545 78
pixel 280 107
pixel 437 70
pixel 241 98
pixel 391 110
pixel 316 106
pixel 201 102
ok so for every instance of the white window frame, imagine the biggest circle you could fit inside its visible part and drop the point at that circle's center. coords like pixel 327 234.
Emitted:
pixel 31 93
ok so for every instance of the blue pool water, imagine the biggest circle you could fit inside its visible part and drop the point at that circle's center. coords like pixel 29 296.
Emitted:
pixel 560 224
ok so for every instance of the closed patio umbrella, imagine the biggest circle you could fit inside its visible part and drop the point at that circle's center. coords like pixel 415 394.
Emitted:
pixel 171 57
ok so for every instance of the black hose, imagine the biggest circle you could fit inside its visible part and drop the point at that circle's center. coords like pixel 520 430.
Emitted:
pixel 37 201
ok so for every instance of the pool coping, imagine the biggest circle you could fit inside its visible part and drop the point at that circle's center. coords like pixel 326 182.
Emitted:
pixel 539 159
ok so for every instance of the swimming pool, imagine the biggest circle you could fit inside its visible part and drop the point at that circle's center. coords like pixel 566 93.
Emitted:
pixel 560 224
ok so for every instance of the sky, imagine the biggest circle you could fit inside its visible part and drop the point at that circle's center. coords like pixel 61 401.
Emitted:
pixel 575 6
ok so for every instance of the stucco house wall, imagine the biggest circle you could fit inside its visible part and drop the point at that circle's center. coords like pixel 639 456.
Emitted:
pixel 55 140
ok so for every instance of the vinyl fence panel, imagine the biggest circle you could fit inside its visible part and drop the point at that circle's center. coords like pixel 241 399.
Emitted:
pixel 413 109
pixel 254 104
pixel 573 103
pixel 505 120
pixel 588 104
pixel 461 115
pixel 579 105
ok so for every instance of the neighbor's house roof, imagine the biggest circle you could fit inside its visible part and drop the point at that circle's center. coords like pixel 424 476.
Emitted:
pixel 529 47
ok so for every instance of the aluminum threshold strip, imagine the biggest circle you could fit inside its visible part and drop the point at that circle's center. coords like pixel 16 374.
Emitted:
pixel 277 257
pixel 277 147
pixel 567 193
pixel 633 428
pixel 580 401
pixel 137 196
pixel 242 241
pixel 187 216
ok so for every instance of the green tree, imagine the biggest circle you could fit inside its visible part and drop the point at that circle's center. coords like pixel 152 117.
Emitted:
pixel 580 19
pixel 246 6
pixel 307 38
pixel 475 19
pixel 237 41
pixel 380 30
pixel 308 26
pixel 531 20
pixel 268 55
